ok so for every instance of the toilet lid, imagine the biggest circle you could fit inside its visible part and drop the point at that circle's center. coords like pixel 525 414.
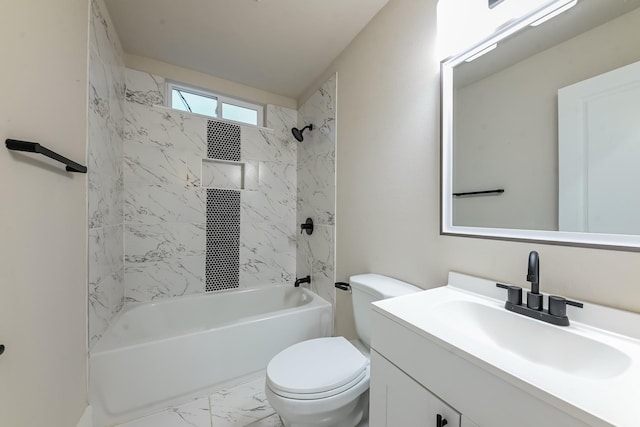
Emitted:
pixel 316 366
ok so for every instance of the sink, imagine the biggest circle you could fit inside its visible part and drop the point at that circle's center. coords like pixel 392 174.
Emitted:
pixel 556 347
pixel 462 339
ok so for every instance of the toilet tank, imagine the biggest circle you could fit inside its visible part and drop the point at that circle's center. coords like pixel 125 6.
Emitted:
pixel 367 288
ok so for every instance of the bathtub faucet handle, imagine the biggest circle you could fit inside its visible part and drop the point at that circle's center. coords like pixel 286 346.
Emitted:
pixel 299 282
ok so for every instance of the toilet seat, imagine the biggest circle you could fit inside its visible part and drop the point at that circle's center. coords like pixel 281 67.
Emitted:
pixel 317 369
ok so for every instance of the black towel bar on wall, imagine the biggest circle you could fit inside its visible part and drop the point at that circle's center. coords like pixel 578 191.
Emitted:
pixel 34 147
pixel 479 193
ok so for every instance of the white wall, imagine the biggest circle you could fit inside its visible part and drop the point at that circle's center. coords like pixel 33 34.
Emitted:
pixel 388 178
pixel 387 151
pixel 43 213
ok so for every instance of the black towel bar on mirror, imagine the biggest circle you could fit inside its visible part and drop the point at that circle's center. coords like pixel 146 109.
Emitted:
pixel 34 147
pixel 479 193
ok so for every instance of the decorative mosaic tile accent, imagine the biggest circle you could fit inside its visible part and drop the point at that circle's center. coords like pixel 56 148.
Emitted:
pixel 223 141
pixel 223 240
pixel 223 213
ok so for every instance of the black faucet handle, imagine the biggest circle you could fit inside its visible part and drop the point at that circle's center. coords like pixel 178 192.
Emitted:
pixel 558 305
pixel 307 226
pixel 575 303
pixel 514 293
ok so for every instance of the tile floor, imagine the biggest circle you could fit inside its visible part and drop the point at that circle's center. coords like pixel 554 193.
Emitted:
pixel 244 405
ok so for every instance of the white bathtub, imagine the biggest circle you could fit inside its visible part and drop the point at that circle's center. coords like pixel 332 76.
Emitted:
pixel 157 354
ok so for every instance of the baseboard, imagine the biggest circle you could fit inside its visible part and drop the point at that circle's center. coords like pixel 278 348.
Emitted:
pixel 86 419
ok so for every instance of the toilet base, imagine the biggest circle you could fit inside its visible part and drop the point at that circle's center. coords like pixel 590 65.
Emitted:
pixel 354 413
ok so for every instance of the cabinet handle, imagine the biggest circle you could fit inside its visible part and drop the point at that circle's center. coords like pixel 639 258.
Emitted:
pixel 440 422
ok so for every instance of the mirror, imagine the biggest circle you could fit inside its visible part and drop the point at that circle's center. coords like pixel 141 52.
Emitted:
pixel 541 129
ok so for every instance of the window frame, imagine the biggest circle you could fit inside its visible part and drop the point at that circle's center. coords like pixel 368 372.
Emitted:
pixel 259 109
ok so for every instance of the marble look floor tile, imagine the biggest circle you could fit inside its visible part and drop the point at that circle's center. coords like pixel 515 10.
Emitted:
pixel 243 405
pixel 271 421
pixel 193 414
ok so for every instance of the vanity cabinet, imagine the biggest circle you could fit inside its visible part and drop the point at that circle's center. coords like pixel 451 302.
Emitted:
pixel 398 400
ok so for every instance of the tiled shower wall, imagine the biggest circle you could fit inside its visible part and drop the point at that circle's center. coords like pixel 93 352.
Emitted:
pixel 105 183
pixel 165 206
pixel 316 189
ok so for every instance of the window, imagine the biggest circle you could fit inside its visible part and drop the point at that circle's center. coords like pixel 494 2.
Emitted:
pixel 198 101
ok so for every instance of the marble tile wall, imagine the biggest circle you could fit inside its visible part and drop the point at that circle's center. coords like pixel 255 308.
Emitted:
pixel 165 203
pixel 268 215
pixel 105 182
pixel 316 189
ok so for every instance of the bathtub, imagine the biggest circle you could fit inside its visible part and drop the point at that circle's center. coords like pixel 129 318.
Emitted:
pixel 158 354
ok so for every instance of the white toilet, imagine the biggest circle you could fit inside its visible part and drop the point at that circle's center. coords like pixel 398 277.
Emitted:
pixel 325 381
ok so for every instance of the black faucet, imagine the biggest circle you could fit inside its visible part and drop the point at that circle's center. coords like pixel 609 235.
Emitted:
pixel 534 297
pixel 557 312
pixel 299 282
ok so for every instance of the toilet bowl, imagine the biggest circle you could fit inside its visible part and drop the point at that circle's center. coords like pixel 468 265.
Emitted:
pixel 325 381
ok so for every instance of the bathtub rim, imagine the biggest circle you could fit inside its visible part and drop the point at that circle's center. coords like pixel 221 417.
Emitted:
pixel 316 301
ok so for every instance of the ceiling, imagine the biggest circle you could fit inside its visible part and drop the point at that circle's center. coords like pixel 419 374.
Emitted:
pixel 280 46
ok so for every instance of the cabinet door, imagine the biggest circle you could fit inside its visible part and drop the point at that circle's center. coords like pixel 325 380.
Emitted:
pixel 397 400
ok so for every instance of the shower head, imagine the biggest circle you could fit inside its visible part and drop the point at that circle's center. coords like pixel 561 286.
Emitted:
pixel 297 133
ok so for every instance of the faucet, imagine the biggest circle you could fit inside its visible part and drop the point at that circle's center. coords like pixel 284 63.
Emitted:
pixel 299 282
pixel 557 312
pixel 533 275
pixel 534 297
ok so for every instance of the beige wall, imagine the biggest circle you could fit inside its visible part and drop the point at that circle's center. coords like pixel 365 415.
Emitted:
pixel 43 219
pixel 388 178
pixel 207 81
pixel 507 133
pixel 387 151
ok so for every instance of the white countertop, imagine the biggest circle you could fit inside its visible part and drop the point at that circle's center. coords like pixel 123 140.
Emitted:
pixel 599 394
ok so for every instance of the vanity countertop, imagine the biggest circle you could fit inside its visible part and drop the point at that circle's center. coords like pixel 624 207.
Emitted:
pixel 589 370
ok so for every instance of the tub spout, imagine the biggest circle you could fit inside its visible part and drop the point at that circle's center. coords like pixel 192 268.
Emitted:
pixel 302 280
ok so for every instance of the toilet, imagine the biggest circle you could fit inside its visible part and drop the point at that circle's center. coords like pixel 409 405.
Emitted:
pixel 325 381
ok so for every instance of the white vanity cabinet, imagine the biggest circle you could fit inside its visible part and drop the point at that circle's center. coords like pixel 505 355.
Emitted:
pixel 398 400
pixel 455 351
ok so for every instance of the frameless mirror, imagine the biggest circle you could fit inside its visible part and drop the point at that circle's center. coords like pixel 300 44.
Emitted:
pixel 541 128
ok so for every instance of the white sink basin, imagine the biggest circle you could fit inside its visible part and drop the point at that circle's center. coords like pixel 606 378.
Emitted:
pixel 590 369
pixel 538 342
